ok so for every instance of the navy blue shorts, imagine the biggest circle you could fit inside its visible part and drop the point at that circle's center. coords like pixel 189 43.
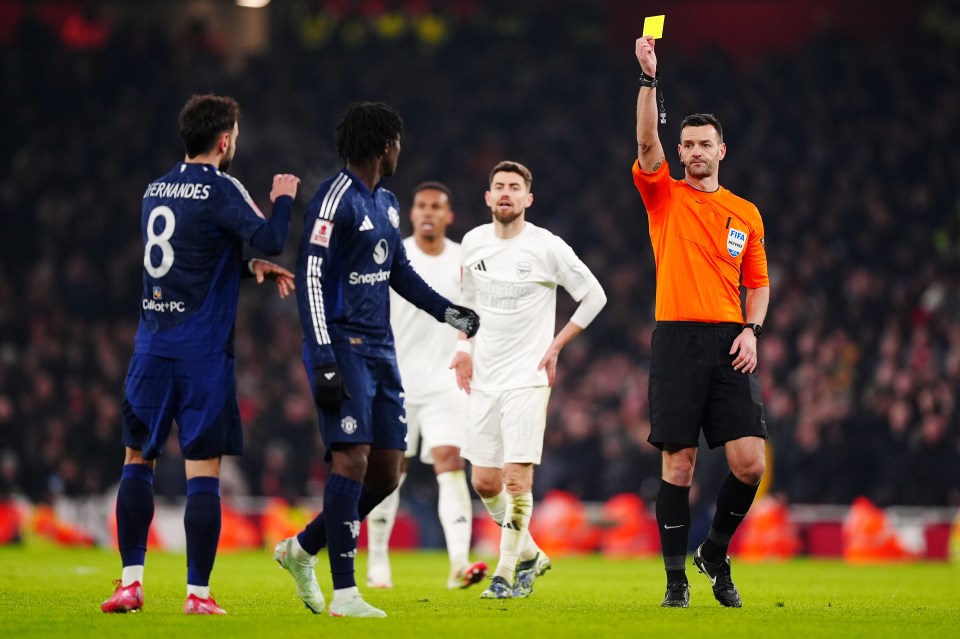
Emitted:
pixel 200 394
pixel 693 386
pixel 374 414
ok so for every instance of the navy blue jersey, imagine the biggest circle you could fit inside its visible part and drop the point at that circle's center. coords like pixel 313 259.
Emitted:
pixel 194 223
pixel 350 253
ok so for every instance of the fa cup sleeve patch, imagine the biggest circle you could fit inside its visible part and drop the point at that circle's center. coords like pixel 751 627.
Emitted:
pixel 322 231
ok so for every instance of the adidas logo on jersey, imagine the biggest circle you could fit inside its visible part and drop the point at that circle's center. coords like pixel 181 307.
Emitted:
pixel 480 266
pixel 366 225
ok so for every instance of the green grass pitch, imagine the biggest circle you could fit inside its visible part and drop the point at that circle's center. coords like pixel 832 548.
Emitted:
pixel 47 591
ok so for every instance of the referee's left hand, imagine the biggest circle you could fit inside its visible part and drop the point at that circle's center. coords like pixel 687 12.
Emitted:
pixel 745 348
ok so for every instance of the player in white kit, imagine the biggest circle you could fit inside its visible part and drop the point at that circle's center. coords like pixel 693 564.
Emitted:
pixel 511 270
pixel 435 407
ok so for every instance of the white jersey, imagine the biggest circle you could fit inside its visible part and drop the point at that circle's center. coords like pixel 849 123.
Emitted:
pixel 512 284
pixel 426 347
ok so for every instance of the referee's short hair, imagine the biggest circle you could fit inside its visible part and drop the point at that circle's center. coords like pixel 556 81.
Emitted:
pixel 436 186
pixel 365 129
pixel 703 119
pixel 203 119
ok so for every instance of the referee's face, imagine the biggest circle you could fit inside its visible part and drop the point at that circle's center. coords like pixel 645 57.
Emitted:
pixel 701 150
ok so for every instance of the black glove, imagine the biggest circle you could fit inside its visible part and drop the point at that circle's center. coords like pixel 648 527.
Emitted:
pixel 329 389
pixel 462 319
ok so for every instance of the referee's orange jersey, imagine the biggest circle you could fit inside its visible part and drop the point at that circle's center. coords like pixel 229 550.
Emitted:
pixel 704 245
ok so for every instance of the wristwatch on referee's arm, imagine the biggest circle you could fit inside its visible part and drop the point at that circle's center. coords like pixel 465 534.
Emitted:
pixel 756 328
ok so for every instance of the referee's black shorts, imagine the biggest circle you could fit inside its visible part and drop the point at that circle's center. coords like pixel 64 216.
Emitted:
pixel 693 385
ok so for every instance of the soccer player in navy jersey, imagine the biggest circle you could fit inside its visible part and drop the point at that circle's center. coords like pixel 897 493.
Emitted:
pixel 194 223
pixel 351 255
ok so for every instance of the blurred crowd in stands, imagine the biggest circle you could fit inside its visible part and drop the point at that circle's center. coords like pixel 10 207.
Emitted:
pixel 849 150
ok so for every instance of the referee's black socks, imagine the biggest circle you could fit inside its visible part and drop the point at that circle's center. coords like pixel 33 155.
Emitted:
pixel 733 502
pixel 673 522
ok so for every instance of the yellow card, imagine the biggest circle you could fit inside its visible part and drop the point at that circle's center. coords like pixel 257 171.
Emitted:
pixel 653 26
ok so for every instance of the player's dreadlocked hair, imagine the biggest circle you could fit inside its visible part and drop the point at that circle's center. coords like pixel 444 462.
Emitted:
pixel 202 120
pixel 703 119
pixel 365 130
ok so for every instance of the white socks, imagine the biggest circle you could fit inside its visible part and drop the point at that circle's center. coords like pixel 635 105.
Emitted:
pixel 513 533
pixel 456 516
pixel 201 592
pixel 497 507
pixel 130 575
pixel 380 522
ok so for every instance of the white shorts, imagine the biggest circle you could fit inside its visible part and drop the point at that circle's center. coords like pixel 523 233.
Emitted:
pixel 506 426
pixel 438 421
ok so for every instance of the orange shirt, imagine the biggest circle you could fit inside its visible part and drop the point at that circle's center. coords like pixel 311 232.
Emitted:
pixel 703 243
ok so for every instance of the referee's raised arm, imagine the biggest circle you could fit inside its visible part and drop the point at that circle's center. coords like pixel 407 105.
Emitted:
pixel 649 150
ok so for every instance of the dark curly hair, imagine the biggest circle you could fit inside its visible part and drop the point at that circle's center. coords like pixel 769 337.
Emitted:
pixel 203 119
pixel 365 129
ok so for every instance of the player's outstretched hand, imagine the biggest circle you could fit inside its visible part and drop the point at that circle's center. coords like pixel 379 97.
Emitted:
pixel 329 389
pixel 462 319
pixel 263 269
pixel 284 184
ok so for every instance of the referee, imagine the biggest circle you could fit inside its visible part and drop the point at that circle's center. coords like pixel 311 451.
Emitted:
pixel 706 241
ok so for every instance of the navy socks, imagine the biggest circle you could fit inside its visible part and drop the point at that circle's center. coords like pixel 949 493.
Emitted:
pixel 314 537
pixel 201 522
pixel 341 518
pixel 134 513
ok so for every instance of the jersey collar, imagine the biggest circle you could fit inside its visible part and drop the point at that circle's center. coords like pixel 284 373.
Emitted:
pixel 358 183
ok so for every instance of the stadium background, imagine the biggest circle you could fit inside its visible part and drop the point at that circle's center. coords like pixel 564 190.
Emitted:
pixel 840 122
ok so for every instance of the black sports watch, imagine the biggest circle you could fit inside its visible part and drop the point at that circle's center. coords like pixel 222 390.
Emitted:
pixel 648 80
pixel 756 328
